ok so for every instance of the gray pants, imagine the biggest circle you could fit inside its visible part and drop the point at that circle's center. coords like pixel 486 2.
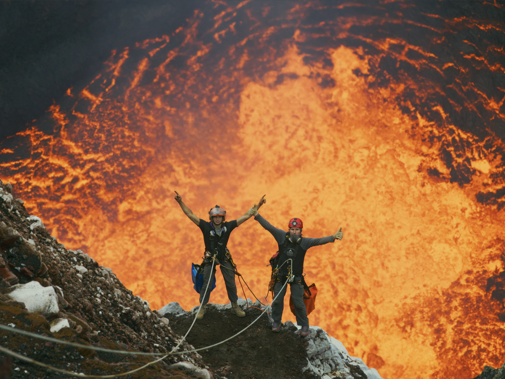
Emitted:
pixel 297 292
pixel 229 280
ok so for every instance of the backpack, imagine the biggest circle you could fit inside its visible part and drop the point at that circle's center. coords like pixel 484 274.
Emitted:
pixel 309 299
pixel 197 277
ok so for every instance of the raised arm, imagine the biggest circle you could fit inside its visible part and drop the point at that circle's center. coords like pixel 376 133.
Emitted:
pixel 186 209
pixel 278 234
pixel 251 212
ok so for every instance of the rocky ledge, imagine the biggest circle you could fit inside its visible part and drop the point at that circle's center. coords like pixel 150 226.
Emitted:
pixel 260 353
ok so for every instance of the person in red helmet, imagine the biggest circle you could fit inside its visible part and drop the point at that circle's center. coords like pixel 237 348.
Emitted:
pixel 215 235
pixel 292 250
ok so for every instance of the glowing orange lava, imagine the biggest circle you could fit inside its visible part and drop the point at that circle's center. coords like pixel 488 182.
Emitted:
pixel 405 289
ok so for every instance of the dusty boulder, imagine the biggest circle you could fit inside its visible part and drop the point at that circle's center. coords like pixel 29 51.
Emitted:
pixel 36 298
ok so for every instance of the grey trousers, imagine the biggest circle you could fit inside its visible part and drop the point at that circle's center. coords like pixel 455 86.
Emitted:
pixel 229 281
pixel 297 292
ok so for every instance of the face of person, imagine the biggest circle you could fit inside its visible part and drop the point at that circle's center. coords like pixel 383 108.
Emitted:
pixel 217 220
pixel 295 232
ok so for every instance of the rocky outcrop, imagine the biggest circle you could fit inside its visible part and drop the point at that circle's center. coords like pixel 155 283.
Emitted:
pixel 329 358
pixel 326 357
pixel 492 373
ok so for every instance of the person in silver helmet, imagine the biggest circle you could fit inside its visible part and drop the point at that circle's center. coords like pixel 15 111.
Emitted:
pixel 216 234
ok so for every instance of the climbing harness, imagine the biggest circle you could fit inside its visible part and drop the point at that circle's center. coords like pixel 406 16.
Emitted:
pixel 274 263
pixel 310 292
pixel 217 246
pixel 220 252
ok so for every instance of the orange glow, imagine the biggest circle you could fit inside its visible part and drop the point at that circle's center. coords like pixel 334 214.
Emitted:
pixel 240 117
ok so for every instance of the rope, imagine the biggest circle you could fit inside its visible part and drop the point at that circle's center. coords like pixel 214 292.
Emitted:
pixel 200 307
pixel 241 277
pixel 172 352
pixel 245 297
pixel 242 331
pixel 29 360
pixel 16 355
pixel 74 344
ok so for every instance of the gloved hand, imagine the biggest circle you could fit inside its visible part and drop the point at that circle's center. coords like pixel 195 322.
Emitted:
pixel 253 211
pixel 339 235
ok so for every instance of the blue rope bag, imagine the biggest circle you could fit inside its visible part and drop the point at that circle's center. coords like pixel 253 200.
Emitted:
pixel 197 277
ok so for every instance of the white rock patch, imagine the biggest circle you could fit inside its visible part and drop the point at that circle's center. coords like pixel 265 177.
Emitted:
pixel 35 223
pixel 81 269
pixel 7 197
pixel 172 308
pixel 192 370
pixel 36 298
pixel 58 324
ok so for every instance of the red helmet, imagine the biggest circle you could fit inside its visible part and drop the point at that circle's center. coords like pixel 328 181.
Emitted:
pixel 217 211
pixel 296 223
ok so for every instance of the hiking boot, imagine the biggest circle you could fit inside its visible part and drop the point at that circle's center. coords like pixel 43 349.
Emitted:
pixel 305 331
pixel 201 313
pixel 6 274
pixel 235 309
pixel 276 327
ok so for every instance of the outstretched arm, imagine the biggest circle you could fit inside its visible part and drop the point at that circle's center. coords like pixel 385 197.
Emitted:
pixel 310 242
pixel 251 212
pixel 186 210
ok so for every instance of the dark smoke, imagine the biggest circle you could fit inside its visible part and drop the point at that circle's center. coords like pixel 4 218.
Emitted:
pixel 47 47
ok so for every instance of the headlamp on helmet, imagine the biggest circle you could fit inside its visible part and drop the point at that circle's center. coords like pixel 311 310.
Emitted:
pixel 296 223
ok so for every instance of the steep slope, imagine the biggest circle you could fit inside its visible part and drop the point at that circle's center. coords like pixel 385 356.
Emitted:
pixel 100 311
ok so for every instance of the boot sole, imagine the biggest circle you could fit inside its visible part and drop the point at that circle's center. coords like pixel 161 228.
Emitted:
pixel 233 312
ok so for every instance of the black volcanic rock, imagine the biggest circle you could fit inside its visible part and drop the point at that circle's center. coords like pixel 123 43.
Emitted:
pixel 49 46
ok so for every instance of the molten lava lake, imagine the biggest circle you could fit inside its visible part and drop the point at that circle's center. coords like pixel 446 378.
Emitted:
pixel 385 119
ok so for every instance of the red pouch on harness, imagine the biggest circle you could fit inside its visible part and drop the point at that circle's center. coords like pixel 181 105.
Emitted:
pixel 308 299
